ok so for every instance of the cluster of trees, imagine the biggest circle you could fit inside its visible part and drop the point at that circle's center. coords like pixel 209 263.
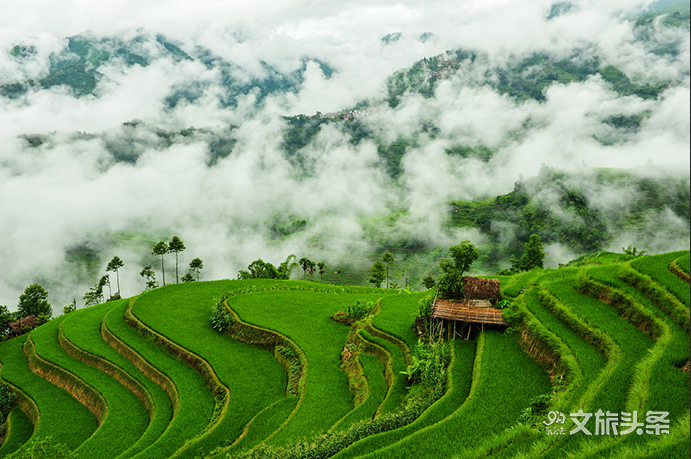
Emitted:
pixel 462 257
pixel 34 301
pixel 162 248
pixel 310 266
pixel 260 269
pixel 95 295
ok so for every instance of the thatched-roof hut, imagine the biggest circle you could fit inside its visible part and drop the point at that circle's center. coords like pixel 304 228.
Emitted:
pixel 475 288
pixel 18 326
pixel 465 311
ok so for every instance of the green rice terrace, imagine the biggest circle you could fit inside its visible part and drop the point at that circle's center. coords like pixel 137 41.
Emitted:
pixel 265 368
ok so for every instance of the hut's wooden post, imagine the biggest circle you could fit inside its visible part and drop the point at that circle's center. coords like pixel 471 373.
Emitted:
pixel 470 327
pixel 441 329
pixel 454 330
pixel 448 331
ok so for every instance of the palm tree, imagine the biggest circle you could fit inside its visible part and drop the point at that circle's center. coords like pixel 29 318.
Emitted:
pixel 304 263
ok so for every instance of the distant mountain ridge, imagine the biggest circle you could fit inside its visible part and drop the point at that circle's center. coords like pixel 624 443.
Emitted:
pixel 77 68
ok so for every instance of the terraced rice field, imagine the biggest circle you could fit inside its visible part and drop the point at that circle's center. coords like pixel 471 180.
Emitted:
pixel 148 377
pixel 657 267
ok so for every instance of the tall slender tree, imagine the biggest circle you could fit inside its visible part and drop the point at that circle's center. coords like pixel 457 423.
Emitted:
pixel 388 259
pixel 322 269
pixel 176 246
pixel 161 248
pixel 304 263
pixel 197 265
pixel 105 280
pixel 115 264
pixel 311 268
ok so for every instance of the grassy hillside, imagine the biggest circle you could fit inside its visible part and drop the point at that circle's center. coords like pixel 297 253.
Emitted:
pixel 149 377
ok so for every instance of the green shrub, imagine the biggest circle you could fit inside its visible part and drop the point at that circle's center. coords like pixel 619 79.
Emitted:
pixel 531 414
pixel 287 352
pixel 42 318
pixel 429 363
pixel 359 309
pixel 221 319
pixel 329 444
pixel 42 448
pixel 503 304
pixel 7 401
pixel 426 306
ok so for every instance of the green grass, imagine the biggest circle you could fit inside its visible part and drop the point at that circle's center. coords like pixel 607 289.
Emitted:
pixel 679 449
pixel 683 263
pixel 657 267
pixel 20 430
pixel 509 379
pixel 613 392
pixel 658 327
pixel 617 368
pixel 195 401
pixel 397 315
pixel 630 339
pixel 126 417
pixel 590 359
pixel 83 330
pixel 62 416
pixel 519 446
pixel 374 372
pixel 606 258
pixel 304 317
pixel 398 391
pixel 263 424
pixel 669 303
pixel 668 385
pixel 255 379
pixel 521 281
pixel 458 388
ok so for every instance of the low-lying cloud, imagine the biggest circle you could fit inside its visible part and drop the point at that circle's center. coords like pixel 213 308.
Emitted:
pixel 72 192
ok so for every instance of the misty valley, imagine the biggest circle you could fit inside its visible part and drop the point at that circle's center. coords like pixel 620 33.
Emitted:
pixel 458 230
